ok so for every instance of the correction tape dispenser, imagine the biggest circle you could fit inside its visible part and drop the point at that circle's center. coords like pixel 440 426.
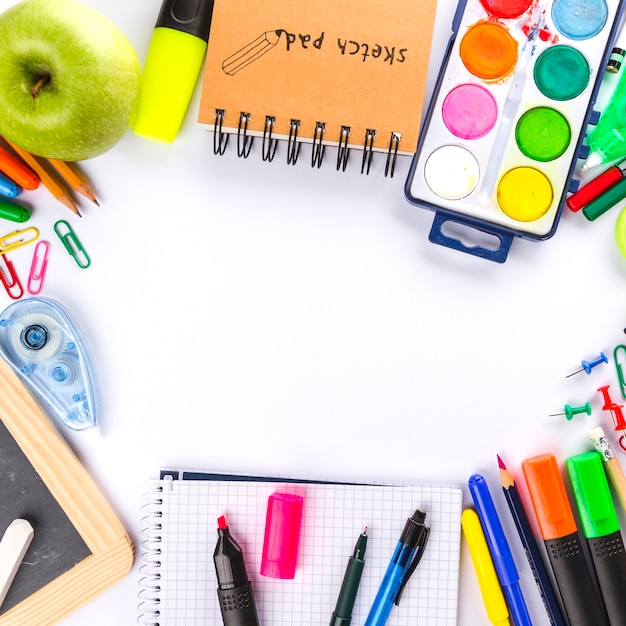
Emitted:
pixel 39 340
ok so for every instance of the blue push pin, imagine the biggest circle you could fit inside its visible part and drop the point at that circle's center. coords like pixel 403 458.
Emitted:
pixel 587 366
pixel 570 411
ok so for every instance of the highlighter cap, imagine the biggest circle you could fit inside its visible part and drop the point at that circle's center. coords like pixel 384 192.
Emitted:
pixel 282 535
pixel 549 498
pixel 592 494
pixel 188 16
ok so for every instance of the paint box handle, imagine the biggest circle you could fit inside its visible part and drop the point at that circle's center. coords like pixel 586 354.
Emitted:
pixel 497 253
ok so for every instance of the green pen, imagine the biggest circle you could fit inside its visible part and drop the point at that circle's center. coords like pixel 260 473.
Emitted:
pixel 342 615
pixel 175 55
pixel 601 529
pixel 12 211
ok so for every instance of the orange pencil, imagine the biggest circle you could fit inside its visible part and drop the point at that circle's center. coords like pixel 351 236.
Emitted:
pixel 18 171
pixel 74 178
pixel 52 184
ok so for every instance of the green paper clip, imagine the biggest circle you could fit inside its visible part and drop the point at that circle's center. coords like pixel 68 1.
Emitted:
pixel 72 244
pixel 618 368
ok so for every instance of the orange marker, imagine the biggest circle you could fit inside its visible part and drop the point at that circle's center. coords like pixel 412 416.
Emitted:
pixel 52 184
pixel 74 178
pixel 558 529
pixel 18 171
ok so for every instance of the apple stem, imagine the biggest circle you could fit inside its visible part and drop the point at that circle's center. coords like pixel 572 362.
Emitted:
pixel 39 85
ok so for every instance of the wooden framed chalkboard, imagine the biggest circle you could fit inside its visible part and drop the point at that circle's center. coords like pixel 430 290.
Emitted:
pixel 79 548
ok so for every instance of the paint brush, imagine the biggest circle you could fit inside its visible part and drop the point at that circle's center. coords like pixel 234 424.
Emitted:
pixel 511 106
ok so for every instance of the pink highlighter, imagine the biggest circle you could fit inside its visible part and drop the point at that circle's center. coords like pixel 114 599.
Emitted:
pixel 282 535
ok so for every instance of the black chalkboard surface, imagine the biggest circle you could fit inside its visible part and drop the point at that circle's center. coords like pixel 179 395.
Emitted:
pixel 56 546
pixel 79 547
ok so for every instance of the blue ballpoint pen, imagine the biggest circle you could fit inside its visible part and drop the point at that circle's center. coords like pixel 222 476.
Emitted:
pixel 405 558
pixel 500 550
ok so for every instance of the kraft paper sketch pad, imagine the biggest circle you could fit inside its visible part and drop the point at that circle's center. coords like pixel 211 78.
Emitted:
pixel 361 64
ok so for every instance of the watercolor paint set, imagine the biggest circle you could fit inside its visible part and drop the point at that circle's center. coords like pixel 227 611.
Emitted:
pixel 505 126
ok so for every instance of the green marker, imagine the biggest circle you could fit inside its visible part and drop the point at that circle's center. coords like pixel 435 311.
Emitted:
pixel 12 211
pixel 601 529
pixel 175 55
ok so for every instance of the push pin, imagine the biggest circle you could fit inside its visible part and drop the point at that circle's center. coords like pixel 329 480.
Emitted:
pixel 619 423
pixel 570 411
pixel 587 366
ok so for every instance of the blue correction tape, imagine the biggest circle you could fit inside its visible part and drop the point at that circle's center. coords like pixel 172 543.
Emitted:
pixel 39 340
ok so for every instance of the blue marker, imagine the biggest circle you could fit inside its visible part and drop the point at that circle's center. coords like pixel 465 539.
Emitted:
pixel 405 558
pixel 500 550
pixel 8 188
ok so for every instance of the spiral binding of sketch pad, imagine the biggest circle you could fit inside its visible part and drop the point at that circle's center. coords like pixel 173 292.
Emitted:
pixel 149 582
pixel 270 143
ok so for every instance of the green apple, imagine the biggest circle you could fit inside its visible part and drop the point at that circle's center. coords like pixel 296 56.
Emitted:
pixel 69 79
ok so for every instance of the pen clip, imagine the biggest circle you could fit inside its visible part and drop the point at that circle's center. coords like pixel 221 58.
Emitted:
pixel 417 557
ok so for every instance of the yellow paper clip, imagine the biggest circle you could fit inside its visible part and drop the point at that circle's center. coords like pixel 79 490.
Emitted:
pixel 72 243
pixel 18 238
pixel 618 368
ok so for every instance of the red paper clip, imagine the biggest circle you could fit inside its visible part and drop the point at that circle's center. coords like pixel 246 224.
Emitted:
pixel 14 282
pixel 38 268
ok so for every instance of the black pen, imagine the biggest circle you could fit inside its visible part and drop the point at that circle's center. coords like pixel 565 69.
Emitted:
pixel 342 615
pixel 233 587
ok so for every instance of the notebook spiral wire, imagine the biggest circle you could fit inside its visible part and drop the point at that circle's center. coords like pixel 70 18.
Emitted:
pixel 149 558
pixel 270 143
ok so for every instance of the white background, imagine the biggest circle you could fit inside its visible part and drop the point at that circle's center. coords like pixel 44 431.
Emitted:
pixel 283 320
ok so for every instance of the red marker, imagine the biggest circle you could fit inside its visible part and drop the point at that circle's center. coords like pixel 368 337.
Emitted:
pixel 596 187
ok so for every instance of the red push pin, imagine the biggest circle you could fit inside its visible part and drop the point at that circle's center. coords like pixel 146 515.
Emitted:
pixel 616 413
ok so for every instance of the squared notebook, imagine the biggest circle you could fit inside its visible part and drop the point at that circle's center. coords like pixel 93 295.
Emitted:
pixel 339 68
pixel 179 583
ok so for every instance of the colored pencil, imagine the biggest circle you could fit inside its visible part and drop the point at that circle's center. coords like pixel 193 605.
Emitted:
pixel 611 464
pixel 74 178
pixel 18 171
pixel 49 180
pixel 531 547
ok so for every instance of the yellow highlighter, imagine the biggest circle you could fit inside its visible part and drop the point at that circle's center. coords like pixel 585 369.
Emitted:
pixel 497 611
pixel 175 55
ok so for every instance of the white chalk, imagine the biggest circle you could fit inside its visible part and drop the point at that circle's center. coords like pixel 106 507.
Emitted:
pixel 13 546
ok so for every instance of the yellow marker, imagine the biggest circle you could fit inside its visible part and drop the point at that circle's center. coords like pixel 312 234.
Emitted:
pixel 490 589
pixel 172 67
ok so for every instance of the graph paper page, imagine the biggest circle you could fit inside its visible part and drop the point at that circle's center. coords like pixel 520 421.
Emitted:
pixel 334 515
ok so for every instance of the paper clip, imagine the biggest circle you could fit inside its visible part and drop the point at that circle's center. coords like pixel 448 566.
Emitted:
pixel 618 368
pixel 72 244
pixel 9 285
pixel 18 238
pixel 38 268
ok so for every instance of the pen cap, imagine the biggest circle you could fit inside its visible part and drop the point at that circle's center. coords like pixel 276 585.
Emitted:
pixel 592 494
pixel 548 496
pixel 282 535
pixel 188 16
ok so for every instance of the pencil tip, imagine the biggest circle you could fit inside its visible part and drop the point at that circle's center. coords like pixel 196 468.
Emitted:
pixel 95 201
pixel 365 531
pixel 501 464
